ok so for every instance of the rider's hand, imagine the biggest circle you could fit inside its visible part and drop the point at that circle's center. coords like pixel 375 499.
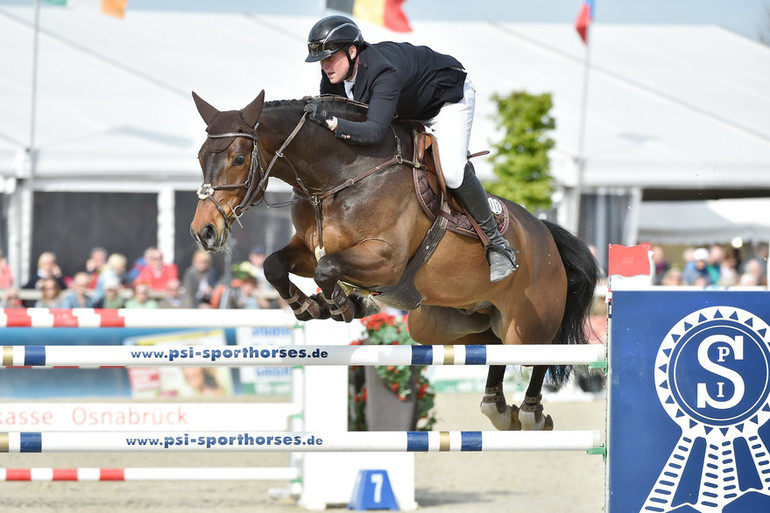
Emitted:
pixel 317 113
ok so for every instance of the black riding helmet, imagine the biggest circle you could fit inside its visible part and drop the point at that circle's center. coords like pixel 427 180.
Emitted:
pixel 330 35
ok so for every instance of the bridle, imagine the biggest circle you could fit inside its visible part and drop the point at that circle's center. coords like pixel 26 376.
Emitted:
pixel 256 181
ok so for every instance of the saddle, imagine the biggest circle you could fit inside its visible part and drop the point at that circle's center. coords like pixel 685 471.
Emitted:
pixel 445 212
pixel 429 185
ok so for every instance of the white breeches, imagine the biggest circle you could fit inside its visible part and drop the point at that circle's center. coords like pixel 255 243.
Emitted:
pixel 452 129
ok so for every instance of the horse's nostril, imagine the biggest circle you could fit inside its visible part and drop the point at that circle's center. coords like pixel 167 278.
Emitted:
pixel 209 234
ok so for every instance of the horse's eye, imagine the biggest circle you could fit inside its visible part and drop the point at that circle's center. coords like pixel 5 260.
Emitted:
pixel 239 160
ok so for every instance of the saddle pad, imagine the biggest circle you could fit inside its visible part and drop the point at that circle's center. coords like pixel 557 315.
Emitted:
pixel 458 221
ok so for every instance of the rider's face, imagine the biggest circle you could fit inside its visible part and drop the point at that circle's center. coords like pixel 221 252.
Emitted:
pixel 337 66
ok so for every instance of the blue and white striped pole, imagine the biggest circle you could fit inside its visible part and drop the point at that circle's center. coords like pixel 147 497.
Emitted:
pixel 355 441
pixel 249 356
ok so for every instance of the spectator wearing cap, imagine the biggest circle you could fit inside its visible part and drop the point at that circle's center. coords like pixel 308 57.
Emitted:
pixel 697 271
pixel 112 297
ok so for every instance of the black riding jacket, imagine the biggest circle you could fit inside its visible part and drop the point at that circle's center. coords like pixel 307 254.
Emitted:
pixel 397 80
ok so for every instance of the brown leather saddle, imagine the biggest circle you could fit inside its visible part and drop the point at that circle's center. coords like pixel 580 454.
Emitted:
pixel 429 185
pixel 445 212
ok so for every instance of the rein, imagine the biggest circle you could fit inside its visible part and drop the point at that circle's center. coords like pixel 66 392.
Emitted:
pixel 317 199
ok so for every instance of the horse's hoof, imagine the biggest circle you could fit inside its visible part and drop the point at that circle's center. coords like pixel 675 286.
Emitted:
pixel 548 423
pixel 507 420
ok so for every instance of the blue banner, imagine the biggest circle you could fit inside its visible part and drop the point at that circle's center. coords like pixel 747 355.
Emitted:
pixel 689 402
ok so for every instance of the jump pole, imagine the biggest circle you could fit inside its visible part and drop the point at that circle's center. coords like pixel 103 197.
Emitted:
pixel 333 441
pixel 262 356
pixel 141 318
pixel 150 474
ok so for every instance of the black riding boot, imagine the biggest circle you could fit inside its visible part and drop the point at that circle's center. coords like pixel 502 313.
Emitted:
pixel 500 255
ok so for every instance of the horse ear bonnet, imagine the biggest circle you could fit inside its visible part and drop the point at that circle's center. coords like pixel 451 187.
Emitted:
pixel 226 122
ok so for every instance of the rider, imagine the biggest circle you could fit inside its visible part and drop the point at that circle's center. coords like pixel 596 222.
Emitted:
pixel 411 82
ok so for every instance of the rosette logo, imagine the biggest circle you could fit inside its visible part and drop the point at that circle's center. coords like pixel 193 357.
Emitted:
pixel 701 378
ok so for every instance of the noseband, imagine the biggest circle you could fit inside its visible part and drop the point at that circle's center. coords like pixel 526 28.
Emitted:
pixel 256 181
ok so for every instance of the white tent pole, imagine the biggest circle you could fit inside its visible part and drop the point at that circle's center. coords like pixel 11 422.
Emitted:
pixel 33 99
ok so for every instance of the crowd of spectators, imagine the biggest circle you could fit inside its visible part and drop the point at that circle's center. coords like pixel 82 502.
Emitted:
pixel 713 266
pixel 105 281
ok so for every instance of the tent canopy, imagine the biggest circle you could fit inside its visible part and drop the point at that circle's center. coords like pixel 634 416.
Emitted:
pixel 668 106
pixel 705 222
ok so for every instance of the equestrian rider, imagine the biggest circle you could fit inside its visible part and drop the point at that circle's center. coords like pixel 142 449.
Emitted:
pixel 411 82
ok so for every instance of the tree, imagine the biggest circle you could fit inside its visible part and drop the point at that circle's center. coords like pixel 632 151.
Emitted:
pixel 520 159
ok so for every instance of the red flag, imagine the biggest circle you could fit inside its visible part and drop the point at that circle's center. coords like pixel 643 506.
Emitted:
pixel 630 261
pixel 583 19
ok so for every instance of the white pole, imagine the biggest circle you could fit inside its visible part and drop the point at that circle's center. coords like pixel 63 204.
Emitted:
pixel 180 355
pixel 332 441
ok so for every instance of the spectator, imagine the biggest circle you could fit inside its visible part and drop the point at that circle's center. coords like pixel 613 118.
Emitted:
pixel 46 268
pixel 759 254
pixel 139 264
pixel 6 277
pixel 95 264
pixel 698 268
pixel 672 278
pixel 156 273
pixel 752 273
pixel 51 289
pixel 114 269
pixel 79 297
pixel 248 295
pixel 716 256
pixel 173 297
pixel 661 265
pixel 141 297
pixel 728 270
pixel 11 299
pixel 112 297
pixel 199 280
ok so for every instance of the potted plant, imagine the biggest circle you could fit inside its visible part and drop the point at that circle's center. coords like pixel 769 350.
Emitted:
pixel 390 397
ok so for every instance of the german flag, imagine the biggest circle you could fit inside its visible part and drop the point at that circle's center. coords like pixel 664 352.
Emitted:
pixel 382 12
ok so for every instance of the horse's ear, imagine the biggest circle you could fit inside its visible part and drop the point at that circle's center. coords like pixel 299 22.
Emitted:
pixel 252 111
pixel 206 111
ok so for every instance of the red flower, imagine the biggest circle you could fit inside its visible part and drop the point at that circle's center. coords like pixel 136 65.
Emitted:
pixel 421 391
pixel 394 387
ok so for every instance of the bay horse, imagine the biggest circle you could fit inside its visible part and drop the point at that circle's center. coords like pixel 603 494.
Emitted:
pixel 358 222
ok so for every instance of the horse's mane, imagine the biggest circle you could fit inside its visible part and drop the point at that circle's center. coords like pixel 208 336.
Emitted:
pixel 338 105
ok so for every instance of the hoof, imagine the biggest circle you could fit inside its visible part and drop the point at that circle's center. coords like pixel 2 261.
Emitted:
pixel 535 420
pixel 506 420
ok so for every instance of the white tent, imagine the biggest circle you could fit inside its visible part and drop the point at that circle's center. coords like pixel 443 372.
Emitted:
pixel 705 222
pixel 676 106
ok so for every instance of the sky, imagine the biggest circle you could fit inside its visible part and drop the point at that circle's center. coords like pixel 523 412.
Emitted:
pixel 746 17
pixel 749 18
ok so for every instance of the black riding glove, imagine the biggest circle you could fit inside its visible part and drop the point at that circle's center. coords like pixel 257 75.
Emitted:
pixel 317 113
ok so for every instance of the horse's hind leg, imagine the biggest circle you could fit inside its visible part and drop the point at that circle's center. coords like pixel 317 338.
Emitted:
pixel 531 410
pixel 503 416
pixel 507 417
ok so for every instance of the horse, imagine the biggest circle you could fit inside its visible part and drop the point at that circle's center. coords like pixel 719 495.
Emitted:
pixel 358 224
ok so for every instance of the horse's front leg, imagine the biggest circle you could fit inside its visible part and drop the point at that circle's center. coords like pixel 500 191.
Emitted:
pixel 296 258
pixel 370 262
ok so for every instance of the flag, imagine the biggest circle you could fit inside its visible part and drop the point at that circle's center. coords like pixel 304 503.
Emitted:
pixel 115 8
pixel 381 12
pixel 56 2
pixel 584 18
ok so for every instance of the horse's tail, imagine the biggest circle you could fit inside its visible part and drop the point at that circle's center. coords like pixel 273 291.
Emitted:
pixel 582 275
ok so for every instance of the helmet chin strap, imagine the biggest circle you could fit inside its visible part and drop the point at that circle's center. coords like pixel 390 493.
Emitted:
pixel 351 62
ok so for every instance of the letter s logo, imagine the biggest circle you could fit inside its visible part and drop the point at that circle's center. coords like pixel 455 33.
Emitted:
pixel 703 397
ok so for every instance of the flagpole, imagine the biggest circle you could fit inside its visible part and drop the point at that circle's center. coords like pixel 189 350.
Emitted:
pixel 580 155
pixel 33 99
